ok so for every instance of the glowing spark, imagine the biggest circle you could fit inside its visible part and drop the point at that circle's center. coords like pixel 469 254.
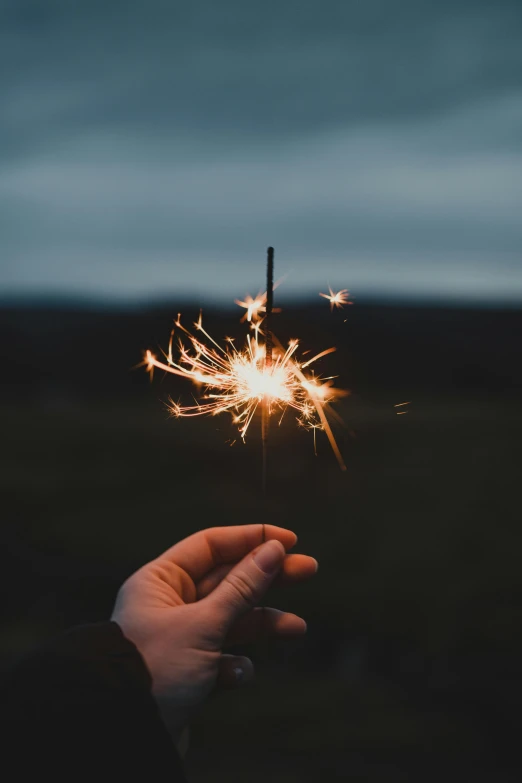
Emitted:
pixel 400 405
pixel 238 382
pixel 253 306
pixel 337 299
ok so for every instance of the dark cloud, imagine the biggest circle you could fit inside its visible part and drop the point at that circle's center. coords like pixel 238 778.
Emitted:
pixel 155 135
pixel 268 67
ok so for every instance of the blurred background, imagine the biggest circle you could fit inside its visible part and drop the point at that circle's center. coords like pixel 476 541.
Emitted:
pixel 149 153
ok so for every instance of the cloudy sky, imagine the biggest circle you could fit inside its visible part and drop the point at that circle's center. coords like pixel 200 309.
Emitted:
pixel 156 147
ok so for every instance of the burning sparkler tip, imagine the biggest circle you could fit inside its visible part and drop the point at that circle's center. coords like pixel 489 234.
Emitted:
pixel 263 376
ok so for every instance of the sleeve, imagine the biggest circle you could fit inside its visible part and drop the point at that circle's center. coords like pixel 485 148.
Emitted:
pixel 81 708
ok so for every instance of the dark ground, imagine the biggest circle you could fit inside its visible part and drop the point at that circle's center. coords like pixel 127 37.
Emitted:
pixel 411 666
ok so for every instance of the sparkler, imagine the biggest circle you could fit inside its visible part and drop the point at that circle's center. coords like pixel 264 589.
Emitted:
pixel 264 374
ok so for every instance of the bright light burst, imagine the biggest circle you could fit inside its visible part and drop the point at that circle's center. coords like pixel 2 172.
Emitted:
pixel 337 299
pixel 252 306
pixel 256 306
pixel 238 382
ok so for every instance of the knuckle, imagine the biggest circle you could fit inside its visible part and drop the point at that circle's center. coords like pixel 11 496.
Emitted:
pixel 242 587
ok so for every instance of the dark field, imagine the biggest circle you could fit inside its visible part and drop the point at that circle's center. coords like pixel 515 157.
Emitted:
pixel 411 666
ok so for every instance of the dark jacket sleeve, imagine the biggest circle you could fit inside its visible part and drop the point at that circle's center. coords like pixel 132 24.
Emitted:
pixel 80 708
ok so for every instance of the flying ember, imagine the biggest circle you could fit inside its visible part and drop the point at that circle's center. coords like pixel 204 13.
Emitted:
pixel 337 299
pixel 252 306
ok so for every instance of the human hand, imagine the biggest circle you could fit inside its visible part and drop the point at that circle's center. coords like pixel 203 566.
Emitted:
pixel 197 598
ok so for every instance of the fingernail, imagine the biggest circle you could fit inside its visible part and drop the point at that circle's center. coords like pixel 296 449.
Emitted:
pixel 239 674
pixel 269 556
pixel 316 565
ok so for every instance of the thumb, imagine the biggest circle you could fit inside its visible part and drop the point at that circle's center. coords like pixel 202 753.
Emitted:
pixel 244 586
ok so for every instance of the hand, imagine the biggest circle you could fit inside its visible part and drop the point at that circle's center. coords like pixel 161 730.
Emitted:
pixel 199 597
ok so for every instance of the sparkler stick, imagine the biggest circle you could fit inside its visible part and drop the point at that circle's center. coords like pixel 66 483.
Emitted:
pixel 269 346
pixel 269 342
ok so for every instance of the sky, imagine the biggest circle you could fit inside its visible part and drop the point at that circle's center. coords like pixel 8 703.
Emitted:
pixel 155 148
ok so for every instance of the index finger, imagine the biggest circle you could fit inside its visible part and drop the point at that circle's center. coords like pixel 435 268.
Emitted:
pixel 201 552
